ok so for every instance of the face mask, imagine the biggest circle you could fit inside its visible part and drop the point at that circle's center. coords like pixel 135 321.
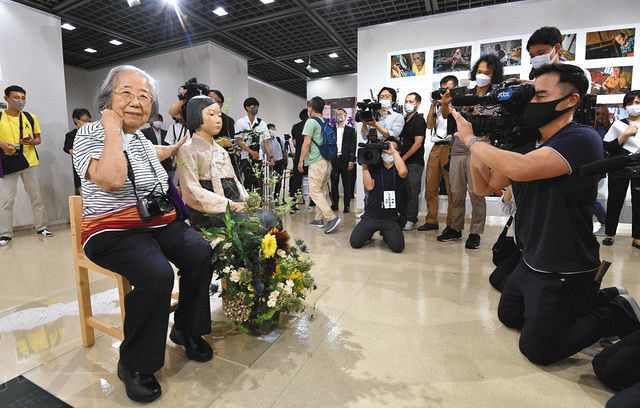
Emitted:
pixel 633 110
pixel 17 105
pixel 385 103
pixel 409 107
pixel 387 158
pixel 541 60
pixel 157 124
pixel 483 80
pixel 272 132
pixel 254 111
pixel 340 118
pixel 536 115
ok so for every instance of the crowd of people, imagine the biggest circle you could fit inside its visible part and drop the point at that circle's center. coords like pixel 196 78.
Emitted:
pixel 127 177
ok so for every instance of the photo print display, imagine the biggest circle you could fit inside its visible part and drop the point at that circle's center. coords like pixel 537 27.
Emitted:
pixel 611 80
pixel 452 59
pixel 610 44
pixel 568 47
pixel 330 106
pixel 408 64
pixel 509 52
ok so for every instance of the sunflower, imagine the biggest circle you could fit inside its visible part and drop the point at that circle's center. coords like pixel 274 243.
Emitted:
pixel 282 238
pixel 269 245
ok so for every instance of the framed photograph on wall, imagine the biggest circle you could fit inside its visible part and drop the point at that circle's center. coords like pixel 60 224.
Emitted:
pixel 452 59
pixel 610 43
pixel 611 80
pixel 509 52
pixel 408 64
pixel 330 106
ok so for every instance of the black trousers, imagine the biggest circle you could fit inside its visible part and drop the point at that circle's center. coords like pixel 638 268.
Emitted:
pixel 557 313
pixel 340 170
pixel 142 256
pixel 279 168
pixel 627 398
pixel 618 366
pixel 295 183
pixel 251 182
pixel 617 193
pixel 389 228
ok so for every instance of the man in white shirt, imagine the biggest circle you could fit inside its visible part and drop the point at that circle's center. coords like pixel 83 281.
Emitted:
pixel 344 162
pixel 279 157
pixel 390 123
pixel 251 132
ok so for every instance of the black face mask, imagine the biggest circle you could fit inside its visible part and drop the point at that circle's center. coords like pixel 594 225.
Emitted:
pixel 536 115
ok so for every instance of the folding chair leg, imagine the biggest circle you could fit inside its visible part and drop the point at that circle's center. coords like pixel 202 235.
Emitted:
pixel 84 306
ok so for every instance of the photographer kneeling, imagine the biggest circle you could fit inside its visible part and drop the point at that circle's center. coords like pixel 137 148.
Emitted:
pixel 550 295
pixel 130 227
pixel 380 212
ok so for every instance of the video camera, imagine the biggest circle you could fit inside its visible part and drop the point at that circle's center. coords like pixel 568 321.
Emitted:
pixel 190 89
pixel 371 153
pixel 455 92
pixel 629 164
pixel 367 110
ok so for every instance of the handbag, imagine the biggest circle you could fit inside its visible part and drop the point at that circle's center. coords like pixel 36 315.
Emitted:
pixel 504 245
pixel 16 162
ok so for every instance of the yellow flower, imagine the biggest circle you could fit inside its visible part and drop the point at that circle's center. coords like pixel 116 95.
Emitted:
pixel 269 245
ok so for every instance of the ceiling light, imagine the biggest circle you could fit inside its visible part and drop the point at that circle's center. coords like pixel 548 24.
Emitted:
pixel 314 70
pixel 133 3
pixel 267 1
pixel 333 55
pixel 220 12
pixel 115 42
pixel 299 61
pixel 68 26
pixel 171 2
pixel 90 50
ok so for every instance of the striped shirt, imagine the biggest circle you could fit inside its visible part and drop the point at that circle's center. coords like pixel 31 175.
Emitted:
pixel 116 211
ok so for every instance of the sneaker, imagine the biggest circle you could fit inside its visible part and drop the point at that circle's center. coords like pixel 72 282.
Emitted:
pixel 360 215
pixel 428 227
pixel 629 320
pixel 317 223
pixel 607 241
pixel 346 210
pixel 332 225
pixel 449 234
pixel 409 226
pixel 600 231
pixel 45 233
pixel 5 241
pixel 473 242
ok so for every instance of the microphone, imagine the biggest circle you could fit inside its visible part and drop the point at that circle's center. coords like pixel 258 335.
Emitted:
pixel 607 165
pixel 466 100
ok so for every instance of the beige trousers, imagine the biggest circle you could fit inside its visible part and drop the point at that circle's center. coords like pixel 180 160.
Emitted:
pixel 438 157
pixel 460 176
pixel 319 174
pixel 8 191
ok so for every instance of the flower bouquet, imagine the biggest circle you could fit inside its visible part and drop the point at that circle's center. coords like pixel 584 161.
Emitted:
pixel 263 273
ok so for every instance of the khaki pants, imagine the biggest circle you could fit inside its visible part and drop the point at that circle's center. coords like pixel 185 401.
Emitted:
pixel 460 176
pixel 8 191
pixel 438 157
pixel 319 174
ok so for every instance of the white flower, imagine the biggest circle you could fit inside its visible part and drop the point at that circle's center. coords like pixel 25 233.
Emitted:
pixel 288 290
pixel 226 269
pixel 274 294
pixel 271 303
pixel 281 285
pixel 235 276
pixel 289 282
pixel 226 246
pixel 281 253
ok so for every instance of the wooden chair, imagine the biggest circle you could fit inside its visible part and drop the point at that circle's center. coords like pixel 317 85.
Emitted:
pixel 88 322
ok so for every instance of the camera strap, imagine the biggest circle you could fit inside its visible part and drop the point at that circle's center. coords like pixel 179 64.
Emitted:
pixel 388 197
pixel 132 175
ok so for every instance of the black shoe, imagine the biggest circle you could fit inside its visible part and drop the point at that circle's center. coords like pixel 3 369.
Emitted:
pixel 196 347
pixel 607 241
pixel 473 242
pixel 606 295
pixel 346 210
pixel 449 234
pixel 140 387
pixel 628 319
pixel 428 227
pixel 334 208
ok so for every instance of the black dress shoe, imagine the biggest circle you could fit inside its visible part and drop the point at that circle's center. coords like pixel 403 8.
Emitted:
pixel 428 227
pixel 346 210
pixel 140 387
pixel 197 348
pixel 334 208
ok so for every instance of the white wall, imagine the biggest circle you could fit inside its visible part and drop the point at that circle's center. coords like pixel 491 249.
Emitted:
pixel 342 86
pixel 31 56
pixel 276 105
pixel 507 21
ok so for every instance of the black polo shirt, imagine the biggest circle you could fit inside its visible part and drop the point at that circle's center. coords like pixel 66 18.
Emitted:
pixel 416 126
pixel 384 179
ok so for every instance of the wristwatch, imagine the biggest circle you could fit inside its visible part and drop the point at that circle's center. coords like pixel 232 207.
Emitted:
pixel 472 142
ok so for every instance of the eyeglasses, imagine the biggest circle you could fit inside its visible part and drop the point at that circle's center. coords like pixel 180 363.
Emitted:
pixel 143 97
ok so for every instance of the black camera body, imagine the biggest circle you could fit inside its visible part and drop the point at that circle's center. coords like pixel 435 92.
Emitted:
pixel 192 88
pixel 367 110
pixel 154 205
pixel 371 153
pixel 457 91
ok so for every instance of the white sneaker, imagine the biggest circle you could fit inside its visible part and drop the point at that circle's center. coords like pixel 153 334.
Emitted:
pixel 5 241
pixel 600 231
pixel 409 226
pixel 45 233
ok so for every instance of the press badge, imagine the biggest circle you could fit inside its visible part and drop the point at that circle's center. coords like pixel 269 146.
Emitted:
pixel 389 200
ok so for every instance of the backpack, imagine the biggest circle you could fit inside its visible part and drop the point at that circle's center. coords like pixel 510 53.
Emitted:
pixel 329 147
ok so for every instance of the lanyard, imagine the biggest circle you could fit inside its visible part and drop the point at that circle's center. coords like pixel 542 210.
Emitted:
pixel 382 177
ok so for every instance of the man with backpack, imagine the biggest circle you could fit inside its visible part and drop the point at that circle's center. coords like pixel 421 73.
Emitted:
pixel 318 149
pixel 19 134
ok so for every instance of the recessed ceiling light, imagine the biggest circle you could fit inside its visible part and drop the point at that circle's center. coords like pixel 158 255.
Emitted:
pixel 220 12
pixel 333 55
pixel 267 1
pixel 314 70
pixel 90 50
pixel 299 61
pixel 115 42
pixel 68 26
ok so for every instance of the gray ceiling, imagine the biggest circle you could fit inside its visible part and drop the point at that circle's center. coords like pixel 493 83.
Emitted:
pixel 270 36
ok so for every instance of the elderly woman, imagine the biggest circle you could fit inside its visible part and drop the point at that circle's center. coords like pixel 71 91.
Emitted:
pixel 119 168
pixel 207 179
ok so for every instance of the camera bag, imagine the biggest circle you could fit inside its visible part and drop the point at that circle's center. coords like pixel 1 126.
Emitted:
pixel 16 162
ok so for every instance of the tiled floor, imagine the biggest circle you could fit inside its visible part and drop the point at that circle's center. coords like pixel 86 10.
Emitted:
pixel 417 329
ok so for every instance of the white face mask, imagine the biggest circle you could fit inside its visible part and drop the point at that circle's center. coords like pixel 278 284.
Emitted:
pixel 272 132
pixel 541 60
pixel 340 119
pixel 633 110
pixel 157 124
pixel 387 158
pixel 409 107
pixel 483 80
pixel 385 103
